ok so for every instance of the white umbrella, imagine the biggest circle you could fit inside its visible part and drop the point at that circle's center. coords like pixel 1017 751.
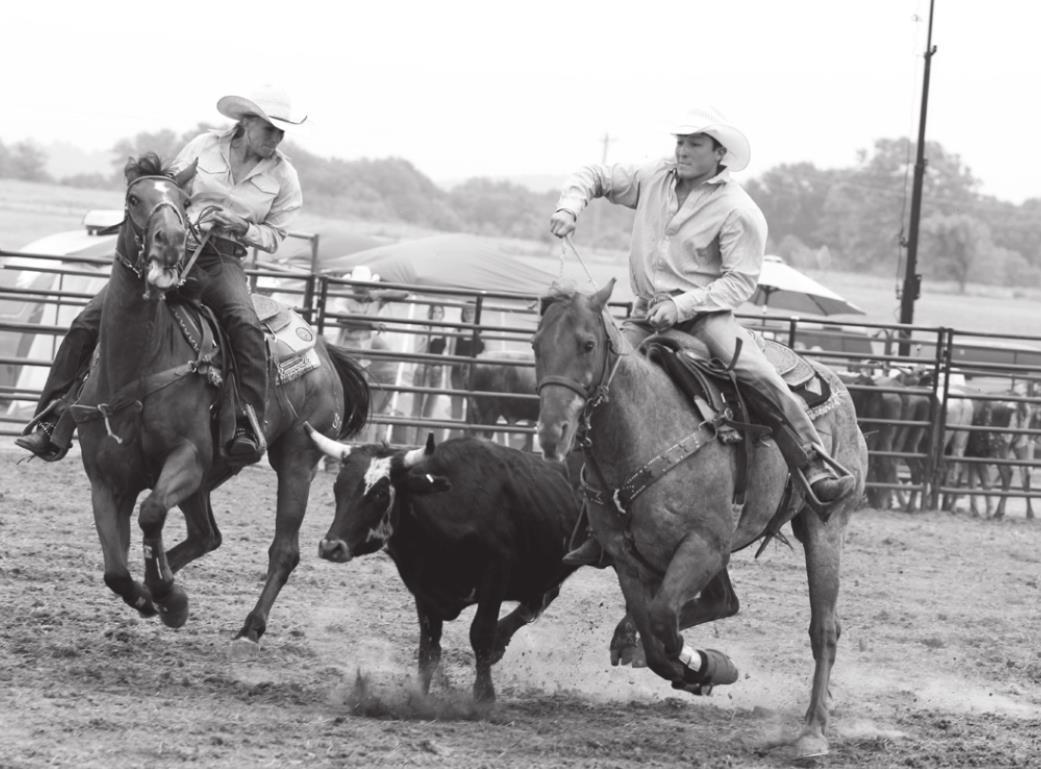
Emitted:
pixel 785 288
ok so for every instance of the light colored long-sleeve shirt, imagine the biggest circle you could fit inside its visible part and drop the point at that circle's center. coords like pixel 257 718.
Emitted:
pixel 268 198
pixel 707 253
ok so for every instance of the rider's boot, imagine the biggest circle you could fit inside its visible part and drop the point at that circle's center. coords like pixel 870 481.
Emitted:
pixel 39 436
pixel 589 553
pixel 827 482
pixel 248 444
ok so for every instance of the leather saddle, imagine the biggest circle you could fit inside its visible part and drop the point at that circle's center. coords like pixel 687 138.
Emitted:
pixel 714 390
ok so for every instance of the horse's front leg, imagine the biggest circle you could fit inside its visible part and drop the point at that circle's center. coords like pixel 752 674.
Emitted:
pixel 822 544
pixel 112 511
pixel 203 536
pixel 657 615
pixel 716 601
pixel 182 475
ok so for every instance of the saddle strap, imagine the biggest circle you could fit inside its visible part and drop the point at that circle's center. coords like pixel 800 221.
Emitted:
pixel 654 469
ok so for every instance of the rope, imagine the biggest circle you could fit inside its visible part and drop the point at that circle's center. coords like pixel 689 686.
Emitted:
pixel 565 243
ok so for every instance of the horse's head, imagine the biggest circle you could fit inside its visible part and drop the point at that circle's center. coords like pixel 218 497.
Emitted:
pixel 155 215
pixel 573 352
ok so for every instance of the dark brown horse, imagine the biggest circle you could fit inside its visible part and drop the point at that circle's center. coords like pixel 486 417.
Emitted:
pixel 670 542
pixel 515 387
pixel 146 413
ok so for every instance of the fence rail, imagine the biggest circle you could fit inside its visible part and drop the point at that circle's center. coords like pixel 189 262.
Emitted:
pixel 389 328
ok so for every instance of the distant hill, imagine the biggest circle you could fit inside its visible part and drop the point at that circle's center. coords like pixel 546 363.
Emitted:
pixel 65 159
pixel 538 183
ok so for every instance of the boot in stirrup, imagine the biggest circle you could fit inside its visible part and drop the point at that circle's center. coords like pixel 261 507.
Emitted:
pixel 248 445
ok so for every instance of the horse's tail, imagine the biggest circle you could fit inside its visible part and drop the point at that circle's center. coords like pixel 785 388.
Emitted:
pixel 355 390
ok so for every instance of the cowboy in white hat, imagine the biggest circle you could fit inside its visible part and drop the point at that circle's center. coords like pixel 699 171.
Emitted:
pixel 695 255
pixel 245 194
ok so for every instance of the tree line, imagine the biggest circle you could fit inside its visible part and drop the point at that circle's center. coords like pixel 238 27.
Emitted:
pixel 853 218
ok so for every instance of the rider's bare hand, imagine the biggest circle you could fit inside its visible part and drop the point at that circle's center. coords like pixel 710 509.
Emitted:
pixel 663 315
pixel 230 221
pixel 562 223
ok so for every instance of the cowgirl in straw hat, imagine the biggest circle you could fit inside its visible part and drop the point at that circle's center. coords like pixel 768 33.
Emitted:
pixel 248 194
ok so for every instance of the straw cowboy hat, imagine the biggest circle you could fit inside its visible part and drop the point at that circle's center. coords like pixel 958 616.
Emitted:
pixel 705 120
pixel 270 103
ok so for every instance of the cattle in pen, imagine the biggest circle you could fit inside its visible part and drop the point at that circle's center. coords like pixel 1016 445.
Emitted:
pixel 466 522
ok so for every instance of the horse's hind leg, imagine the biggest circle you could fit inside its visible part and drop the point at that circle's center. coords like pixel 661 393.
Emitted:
pixel 822 543
pixel 112 513
pixel 296 468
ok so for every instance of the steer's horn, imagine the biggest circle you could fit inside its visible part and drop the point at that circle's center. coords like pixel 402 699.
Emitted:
pixel 331 448
pixel 414 456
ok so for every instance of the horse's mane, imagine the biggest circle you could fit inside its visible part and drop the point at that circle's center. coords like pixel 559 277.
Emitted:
pixel 557 292
pixel 149 164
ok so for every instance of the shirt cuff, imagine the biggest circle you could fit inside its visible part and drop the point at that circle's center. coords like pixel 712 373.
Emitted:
pixel 690 303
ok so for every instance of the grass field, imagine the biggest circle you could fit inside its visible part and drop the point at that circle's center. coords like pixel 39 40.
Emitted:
pixel 29 211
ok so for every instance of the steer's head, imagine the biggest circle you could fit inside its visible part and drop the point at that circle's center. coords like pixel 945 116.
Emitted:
pixel 372 484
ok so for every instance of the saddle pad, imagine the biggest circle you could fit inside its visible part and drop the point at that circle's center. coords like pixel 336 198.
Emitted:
pixel 271 312
pixel 291 339
pixel 792 367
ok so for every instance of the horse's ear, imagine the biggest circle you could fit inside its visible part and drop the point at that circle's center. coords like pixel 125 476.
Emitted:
pixel 186 174
pixel 599 299
pixel 430 444
pixel 544 303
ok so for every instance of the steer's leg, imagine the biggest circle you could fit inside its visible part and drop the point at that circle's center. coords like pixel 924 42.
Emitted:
pixel 526 611
pixel 430 626
pixel 483 630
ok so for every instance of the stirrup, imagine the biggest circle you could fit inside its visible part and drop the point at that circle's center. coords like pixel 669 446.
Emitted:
pixel 822 508
pixel 39 418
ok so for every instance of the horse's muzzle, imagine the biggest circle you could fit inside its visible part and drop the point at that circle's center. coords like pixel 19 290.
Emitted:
pixel 555 439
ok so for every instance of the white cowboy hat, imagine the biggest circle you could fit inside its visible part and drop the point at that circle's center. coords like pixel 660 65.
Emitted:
pixel 706 120
pixel 267 102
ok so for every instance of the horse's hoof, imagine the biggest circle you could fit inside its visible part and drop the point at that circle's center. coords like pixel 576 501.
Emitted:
pixel 810 746
pixel 629 655
pixel 173 611
pixel 243 649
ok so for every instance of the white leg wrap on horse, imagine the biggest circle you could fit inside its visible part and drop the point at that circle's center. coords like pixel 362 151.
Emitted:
pixel 690 657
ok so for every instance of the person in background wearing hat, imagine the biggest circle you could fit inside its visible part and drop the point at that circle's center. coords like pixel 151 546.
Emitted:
pixel 695 256
pixel 245 193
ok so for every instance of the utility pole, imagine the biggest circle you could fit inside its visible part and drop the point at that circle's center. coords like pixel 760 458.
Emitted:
pixel 605 140
pixel 912 288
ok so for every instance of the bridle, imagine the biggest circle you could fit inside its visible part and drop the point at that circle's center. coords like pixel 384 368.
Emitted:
pixel 596 392
pixel 139 229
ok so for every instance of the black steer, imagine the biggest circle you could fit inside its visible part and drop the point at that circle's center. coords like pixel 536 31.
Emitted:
pixel 468 522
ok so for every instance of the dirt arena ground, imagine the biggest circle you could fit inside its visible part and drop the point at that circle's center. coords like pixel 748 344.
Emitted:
pixel 939 663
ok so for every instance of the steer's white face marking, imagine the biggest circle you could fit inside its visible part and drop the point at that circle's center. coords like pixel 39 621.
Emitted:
pixel 379 471
pixel 378 468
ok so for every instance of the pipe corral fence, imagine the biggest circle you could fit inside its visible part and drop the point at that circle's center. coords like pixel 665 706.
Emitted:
pixel 421 385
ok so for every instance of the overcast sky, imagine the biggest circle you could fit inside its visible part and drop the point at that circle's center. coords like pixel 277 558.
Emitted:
pixel 489 88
